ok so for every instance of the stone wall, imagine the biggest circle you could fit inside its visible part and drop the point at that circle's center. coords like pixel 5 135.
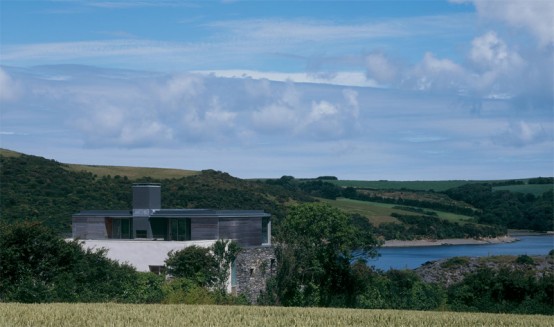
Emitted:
pixel 254 266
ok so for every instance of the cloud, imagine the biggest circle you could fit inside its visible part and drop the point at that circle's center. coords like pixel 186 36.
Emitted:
pixel 381 68
pixel 9 89
pixel 536 16
pixel 274 118
pixel 520 134
pixel 433 73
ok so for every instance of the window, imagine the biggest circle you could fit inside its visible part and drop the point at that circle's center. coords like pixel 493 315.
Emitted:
pixel 119 228
pixel 265 234
pixel 179 229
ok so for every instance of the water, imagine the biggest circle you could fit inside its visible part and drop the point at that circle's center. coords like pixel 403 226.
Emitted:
pixel 413 257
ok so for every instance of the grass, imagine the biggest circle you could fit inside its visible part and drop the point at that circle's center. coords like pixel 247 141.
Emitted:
pixel 379 213
pixel 9 153
pixel 410 185
pixel 133 173
pixel 111 314
pixel 535 189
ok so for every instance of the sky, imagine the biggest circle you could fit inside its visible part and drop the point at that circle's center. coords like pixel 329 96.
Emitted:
pixel 365 90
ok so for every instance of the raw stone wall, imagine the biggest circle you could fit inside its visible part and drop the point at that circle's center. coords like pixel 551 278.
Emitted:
pixel 254 266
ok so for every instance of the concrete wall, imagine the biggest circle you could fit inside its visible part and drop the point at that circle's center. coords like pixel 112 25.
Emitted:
pixel 254 266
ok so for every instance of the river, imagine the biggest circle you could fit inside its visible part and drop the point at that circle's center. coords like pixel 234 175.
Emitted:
pixel 413 257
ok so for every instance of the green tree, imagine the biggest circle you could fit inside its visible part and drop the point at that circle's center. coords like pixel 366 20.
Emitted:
pixel 318 244
pixel 36 265
pixel 194 263
pixel 224 252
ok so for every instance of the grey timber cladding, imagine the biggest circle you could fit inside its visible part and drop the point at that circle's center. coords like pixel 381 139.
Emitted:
pixel 204 228
pixel 246 231
pixel 89 228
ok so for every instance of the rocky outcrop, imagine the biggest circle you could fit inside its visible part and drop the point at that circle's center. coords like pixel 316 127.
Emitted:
pixel 453 270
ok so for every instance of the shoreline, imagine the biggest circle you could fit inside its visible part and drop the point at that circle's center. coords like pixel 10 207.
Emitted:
pixel 449 241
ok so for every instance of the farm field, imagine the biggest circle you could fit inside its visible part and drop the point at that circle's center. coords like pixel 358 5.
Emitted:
pixel 535 189
pixel 111 314
pixel 397 185
pixel 378 213
pixel 133 173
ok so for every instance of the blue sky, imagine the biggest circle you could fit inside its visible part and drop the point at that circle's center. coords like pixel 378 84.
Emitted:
pixel 399 90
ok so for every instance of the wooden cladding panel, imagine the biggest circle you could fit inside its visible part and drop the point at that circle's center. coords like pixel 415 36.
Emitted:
pixel 204 229
pixel 89 228
pixel 246 231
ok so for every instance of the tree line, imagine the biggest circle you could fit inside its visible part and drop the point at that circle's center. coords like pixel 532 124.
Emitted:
pixel 320 262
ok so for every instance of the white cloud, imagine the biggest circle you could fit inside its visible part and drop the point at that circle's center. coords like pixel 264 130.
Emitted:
pixel 490 52
pixel 436 74
pixel 521 133
pixel 9 88
pixel 274 117
pixel 536 16
pixel 380 68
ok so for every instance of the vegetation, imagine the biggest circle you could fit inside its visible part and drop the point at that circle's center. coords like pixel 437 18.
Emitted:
pixel 504 208
pixel 36 265
pixel 319 245
pixel 204 267
pixel 109 314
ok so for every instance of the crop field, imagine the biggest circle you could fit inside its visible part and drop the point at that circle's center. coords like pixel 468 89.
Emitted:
pixel 111 314
pixel 378 213
pixel 133 173
pixel 397 185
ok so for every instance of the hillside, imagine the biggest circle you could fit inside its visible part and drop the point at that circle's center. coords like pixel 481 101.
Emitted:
pixel 45 190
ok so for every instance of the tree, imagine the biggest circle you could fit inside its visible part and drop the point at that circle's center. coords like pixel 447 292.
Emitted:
pixel 36 265
pixel 194 263
pixel 318 244
pixel 225 252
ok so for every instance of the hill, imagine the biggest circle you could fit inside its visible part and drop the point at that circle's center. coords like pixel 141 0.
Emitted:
pixel 45 190
pixel 34 188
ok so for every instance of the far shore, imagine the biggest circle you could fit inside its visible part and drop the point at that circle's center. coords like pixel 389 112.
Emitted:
pixel 449 241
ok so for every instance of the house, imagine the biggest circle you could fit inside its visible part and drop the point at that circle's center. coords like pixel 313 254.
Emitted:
pixel 143 235
pixel 148 221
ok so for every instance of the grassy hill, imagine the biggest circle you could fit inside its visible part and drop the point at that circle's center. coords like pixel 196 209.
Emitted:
pixel 44 190
pixel 35 188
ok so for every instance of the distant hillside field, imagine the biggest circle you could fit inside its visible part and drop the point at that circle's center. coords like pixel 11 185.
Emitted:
pixel 535 189
pixel 133 173
pixel 113 314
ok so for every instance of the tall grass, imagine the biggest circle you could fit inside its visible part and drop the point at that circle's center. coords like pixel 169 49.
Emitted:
pixel 110 314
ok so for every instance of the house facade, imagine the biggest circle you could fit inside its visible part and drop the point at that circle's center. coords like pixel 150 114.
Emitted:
pixel 143 235
pixel 148 221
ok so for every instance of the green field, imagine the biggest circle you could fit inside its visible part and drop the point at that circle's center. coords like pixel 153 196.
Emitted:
pixel 535 189
pixel 378 213
pixel 111 314
pixel 133 173
pixel 410 185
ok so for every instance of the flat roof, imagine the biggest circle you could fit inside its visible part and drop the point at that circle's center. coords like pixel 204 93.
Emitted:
pixel 177 213
pixel 105 213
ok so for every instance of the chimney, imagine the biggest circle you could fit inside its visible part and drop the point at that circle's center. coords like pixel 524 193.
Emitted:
pixel 146 198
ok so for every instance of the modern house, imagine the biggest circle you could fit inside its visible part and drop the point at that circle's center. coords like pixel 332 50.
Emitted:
pixel 143 236
pixel 148 221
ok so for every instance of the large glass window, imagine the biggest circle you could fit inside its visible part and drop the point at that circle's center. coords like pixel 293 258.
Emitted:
pixel 119 228
pixel 159 228
pixel 265 235
pixel 179 229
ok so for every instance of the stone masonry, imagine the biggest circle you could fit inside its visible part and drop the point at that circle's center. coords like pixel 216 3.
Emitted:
pixel 254 266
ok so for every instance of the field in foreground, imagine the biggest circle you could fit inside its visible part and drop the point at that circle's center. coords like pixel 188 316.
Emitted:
pixel 110 314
